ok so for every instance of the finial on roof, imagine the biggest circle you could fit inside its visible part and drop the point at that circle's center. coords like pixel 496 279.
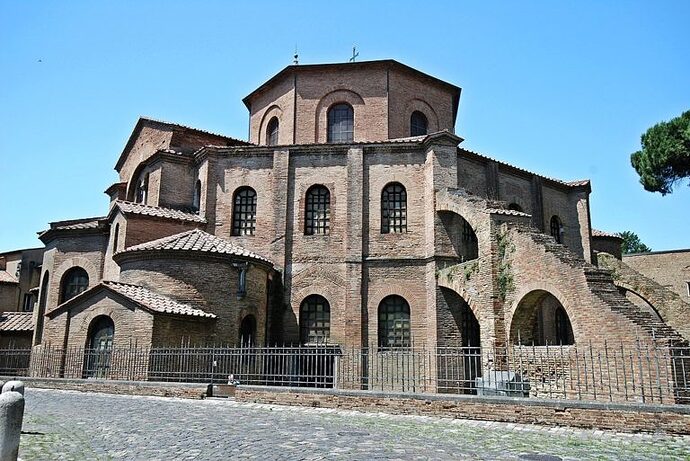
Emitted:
pixel 296 57
pixel 355 53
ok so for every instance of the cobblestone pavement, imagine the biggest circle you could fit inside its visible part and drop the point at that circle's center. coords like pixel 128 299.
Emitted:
pixel 79 426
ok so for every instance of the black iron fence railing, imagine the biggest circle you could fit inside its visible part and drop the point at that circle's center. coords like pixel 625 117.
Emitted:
pixel 638 372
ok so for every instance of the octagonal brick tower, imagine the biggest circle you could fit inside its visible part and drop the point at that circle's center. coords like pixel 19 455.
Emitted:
pixel 382 94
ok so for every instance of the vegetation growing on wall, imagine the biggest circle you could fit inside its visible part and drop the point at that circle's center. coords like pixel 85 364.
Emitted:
pixel 505 273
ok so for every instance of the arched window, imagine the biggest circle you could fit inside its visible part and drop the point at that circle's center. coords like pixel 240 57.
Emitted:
pixel 317 211
pixel 43 296
pixel 272 132
pixel 244 211
pixel 515 207
pixel 394 322
pixel 116 237
pixel 248 331
pixel 75 281
pixel 142 190
pixel 419 125
pixel 393 209
pixel 341 123
pixel 557 229
pixel 315 320
pixel 197 195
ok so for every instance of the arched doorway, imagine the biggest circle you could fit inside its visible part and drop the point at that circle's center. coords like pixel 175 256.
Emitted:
pixel 99 347
pixel 540 320
pixel 248 331
pixel 459 360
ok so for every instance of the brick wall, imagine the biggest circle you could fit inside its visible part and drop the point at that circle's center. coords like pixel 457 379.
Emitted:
pixel 670 269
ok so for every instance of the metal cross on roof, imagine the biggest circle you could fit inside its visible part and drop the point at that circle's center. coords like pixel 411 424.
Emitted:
pixel 355 53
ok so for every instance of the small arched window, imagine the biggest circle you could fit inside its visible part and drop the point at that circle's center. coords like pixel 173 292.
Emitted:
pixel 317 211
pixel 142 191
pixel 394 322
pixel 315 320
pixel 419 125
pixel 341 123
pixel 394 209
pixel 515 207
pixel 244 211
pixel 75 281
pixel 197 195
pixel 557 228
pixel 116 237
pixel 272 132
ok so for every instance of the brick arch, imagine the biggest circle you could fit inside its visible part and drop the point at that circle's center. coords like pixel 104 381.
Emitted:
pixel 77 261
pixel 643 296
pixel 541 289
pixel 418 104
pixel 85 322
pixel 334 97
pixel 471 210
pixel 132 182
pixel 272 111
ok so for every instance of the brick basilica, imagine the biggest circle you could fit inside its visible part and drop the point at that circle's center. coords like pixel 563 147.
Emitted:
pixel 352 216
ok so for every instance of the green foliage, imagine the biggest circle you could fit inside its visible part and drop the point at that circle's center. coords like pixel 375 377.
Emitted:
pixel 632 243
pixel 505 274
pixel 665 156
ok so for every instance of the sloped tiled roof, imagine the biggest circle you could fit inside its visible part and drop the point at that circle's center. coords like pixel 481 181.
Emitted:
pixel 84 224
pixel 503 211
pixel 158 212
pixel 6 277
pixel 598 233
pixel 197 240
pixel 16 321
pixel 155 302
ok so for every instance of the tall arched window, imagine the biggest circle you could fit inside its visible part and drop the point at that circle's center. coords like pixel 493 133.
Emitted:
pixel 197 195
pixel 43 296
pixel 419 125
pixel 393 209
pixel 142 191
pixel 314 320
pixel 557 228
pixel 394 322
pixel 244 211
pixel 272 132
pixel 317 211
pixel 116 237
pixel 75 281
pixel 341 123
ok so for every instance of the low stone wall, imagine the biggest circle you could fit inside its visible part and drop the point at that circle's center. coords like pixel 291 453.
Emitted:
pixel 613 416
pixel 625 417
pixel 179 390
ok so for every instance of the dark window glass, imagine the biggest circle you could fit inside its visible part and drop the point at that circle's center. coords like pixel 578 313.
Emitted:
pixel 315 320
pixel 28 304
pixel 317 212
pixel 197 195
pixel 393 209
pixel 75 281
pixel 394 322
pixel 100 344
pixel 272 132
pixel 419 125
pixel 116 237
pixel 142 191
pixel 244 212
pixel 341 122
pixel 556 229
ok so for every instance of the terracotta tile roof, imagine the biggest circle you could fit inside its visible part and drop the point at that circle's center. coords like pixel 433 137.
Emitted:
pixel 197 240
pixel 16 321
pixel 598 233
pixel 6 277
pixel 158 212
pixel 155 302
pixel 578 183
pixel 503 211
pixel 83 224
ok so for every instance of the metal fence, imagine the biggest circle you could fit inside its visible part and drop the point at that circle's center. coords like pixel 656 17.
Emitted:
pixel 638 372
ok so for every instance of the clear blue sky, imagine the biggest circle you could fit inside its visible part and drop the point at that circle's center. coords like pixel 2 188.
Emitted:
pixel 564 89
